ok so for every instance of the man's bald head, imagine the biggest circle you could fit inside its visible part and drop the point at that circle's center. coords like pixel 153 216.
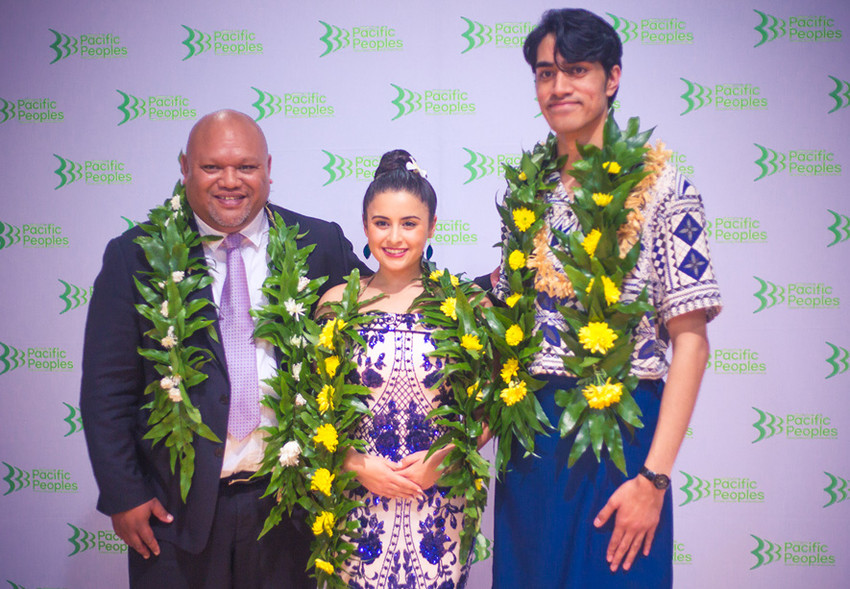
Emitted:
pixel 226 170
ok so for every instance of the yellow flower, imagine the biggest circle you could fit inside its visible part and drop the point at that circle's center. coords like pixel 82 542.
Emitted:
pixel 322 481
pixel 596 336
pixel 437 274
pixel 326 338
pixel 325 398
pixel 602 199
pixel 612 293
pixel 512 300
pixel 479 484
pixel 524 218
pixel 590 241
pixel 470 342
pixel 324 524
pixel 476 390
pixel 516 260
pixel 326 435
pixel 611 167
pixel 331 365
pixel 514 393
pixel 324 565
pixel 602 396
pixel 522 176
pixel 449 307
pixel 509 370
pixel 514 335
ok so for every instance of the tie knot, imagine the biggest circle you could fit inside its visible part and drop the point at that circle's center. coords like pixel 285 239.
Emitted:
pixel 232 241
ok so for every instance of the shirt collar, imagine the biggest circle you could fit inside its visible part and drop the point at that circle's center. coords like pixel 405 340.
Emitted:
pixel 253 232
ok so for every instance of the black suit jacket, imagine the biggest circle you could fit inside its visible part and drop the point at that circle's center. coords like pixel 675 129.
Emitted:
pixel 128 470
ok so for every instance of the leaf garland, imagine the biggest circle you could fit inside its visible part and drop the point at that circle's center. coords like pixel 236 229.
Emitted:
pixel 595 260
pixel 316 409
pixel 452 306
pixel 173 311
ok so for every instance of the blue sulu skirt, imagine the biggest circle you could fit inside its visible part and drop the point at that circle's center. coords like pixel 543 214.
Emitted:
pixel 544 535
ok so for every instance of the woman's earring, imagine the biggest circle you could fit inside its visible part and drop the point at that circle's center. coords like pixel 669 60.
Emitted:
pixel 429 251
pixel 367 253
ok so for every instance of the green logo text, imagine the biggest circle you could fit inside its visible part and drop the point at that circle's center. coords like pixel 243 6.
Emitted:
pixel 736 230
pixel 223 42
pixel 363 38
pixel 807 29
pixel 98 46
pixel 653 31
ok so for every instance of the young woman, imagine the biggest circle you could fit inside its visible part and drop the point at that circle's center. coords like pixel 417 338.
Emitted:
pixel 409 530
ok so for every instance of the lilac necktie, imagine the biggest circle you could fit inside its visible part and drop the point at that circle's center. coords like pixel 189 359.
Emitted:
pixel 237 333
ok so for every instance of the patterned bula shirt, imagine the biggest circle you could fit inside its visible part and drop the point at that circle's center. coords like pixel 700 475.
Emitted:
pixel 674 265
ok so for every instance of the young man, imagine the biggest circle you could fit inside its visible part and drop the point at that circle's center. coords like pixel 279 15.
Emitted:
pixel 588 525
pixel 211 539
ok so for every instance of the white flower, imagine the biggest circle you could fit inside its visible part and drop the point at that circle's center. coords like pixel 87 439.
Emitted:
pixel 302 283
pixel 300 401
pixel 174 395
pixel 296 341
pixel 295 310
pixel 163 310
pixel 176 378
pixel 167 383
pixel 289 453
pixel 175 203
pixel 296 371
pixel 160 284
pixel 177 276
pixel 169 341
pixel 414 167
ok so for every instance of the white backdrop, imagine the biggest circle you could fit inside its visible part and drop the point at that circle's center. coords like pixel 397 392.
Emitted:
pixel 96 100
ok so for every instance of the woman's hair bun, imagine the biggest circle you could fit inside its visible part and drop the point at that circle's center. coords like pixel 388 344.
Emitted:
pixel 396 159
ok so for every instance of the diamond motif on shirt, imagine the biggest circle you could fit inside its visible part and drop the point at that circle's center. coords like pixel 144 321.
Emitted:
pixel 694 264
pixel 688 230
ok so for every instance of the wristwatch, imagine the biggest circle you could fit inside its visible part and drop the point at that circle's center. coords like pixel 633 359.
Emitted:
pixel 661 481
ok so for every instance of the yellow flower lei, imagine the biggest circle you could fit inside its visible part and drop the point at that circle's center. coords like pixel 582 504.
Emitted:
pixel 613 189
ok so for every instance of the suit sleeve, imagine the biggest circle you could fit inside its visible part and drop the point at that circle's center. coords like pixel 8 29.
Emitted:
pixel 113 382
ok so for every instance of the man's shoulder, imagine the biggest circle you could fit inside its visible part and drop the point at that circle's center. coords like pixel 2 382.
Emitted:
pixel 290 217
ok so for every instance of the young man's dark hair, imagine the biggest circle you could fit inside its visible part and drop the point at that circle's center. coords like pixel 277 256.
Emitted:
pixel 580 35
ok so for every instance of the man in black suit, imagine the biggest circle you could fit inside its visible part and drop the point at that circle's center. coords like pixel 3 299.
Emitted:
pixel 211 539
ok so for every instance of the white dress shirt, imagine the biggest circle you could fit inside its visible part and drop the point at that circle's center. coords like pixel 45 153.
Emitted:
pixel 245 454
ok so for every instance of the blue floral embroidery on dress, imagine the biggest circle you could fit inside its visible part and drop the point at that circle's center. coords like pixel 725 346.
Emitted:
pixel 384 432
pixel 418 430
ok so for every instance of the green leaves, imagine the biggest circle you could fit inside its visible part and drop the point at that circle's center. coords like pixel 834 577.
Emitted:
pixel 171 306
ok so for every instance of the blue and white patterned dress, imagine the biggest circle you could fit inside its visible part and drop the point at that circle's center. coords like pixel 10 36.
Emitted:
pixel 405 544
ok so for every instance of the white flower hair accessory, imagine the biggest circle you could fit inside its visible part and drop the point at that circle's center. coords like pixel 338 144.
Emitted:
pixel 414 167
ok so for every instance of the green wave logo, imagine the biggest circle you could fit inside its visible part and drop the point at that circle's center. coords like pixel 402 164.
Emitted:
pixel 131 107
pixel 74 420
pixel 267 104
pixel 7 110
pixel 74 296
pixel 196 42
pixel 840 228
pixel 841 94
pixel 768 294
pixel 476 34
pixel 334 38
pixel 337 167
pixel 63 45
pixel 708 225
pixel 9 235
pixel 694 488
pixel 769 162
pixel 68 171
pixel 770 28
pixel 81 540
pixel 696 96
pixel 839 361
pixel 836 490
pixel 478 166
pixel 16 478
pixel 625 28
pixel 406 102
pixel 765 552
pixel 11 358
pixel 767 425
